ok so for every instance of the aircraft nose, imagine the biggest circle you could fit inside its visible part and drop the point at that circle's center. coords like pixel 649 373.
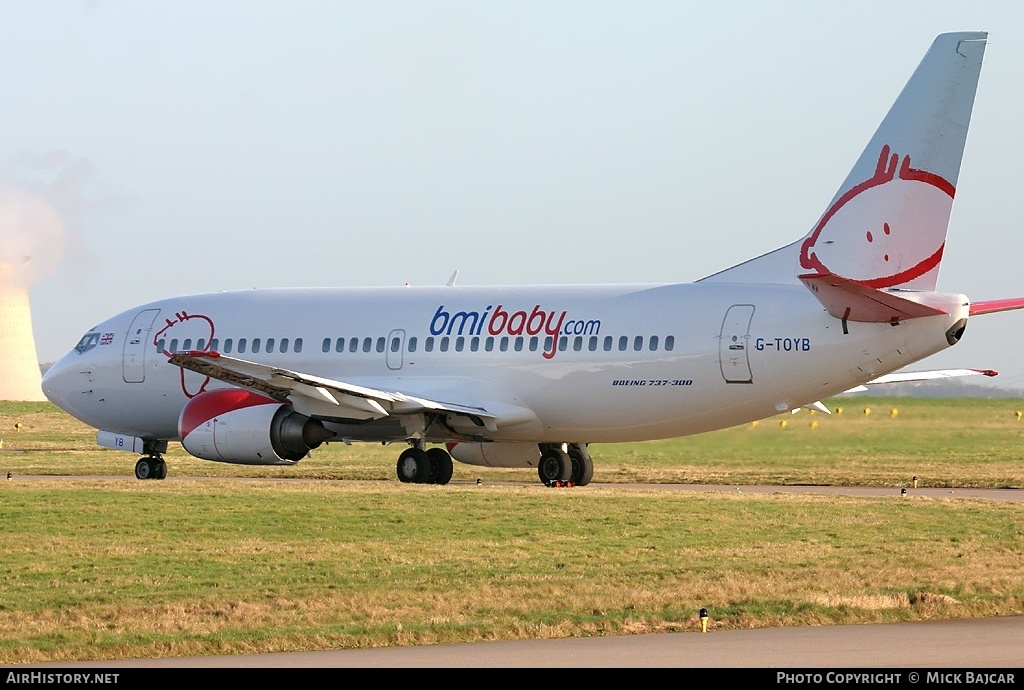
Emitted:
pixel 59 381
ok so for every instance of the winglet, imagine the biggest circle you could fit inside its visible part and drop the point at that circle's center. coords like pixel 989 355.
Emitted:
pixel 850 300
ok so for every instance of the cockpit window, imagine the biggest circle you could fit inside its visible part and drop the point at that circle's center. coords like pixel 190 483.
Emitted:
pixel 88 342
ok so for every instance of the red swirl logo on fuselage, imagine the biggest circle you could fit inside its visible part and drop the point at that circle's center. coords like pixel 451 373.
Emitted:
pixel 188 327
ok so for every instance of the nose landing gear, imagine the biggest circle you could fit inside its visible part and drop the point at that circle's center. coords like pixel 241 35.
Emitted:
pixel 152 465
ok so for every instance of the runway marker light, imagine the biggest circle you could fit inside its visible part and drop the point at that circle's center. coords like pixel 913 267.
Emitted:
pixel 915 482
pixel 893 412
pixel 839 410
pixel 17 426
pixel 478 481
pixel 704 620
pixel 783 423
pixel 867 410
pixel 903 492
pixel 814 424
pixel 1018 414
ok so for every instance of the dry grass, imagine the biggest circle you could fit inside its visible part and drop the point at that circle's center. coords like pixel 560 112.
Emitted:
pixel 93 569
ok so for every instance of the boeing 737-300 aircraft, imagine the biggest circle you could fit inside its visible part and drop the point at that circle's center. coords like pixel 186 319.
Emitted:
pixel 530 376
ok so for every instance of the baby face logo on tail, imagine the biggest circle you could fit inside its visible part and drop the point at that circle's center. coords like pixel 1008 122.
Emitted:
pixel 887 231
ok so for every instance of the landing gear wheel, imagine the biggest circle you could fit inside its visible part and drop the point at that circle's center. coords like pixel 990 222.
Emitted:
pixel 554 466
pixel 145 468
pixel 414 466
pixel 582 467
pixel 440 466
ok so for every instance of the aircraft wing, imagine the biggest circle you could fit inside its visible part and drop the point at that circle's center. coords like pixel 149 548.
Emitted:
pixel 905 376
pixel 331 399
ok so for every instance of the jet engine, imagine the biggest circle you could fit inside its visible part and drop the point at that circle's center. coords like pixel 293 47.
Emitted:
pixel 242 427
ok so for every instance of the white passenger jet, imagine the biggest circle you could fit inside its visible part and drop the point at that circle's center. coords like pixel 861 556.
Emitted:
pixel 530 376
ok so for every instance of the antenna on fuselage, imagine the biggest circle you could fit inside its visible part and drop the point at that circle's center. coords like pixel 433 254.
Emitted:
pixel 451 281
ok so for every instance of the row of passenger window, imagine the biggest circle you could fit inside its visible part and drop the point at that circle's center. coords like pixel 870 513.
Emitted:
pixel 502 344
pixel 229 345
pixel 443 344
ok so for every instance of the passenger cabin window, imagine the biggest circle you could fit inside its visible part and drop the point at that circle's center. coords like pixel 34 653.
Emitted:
pixel 298 345
pixel 255 344
pixel 654 343
pixel 623 342
pixel 339 345
pixel 214 344
pixel 187 345
pixel 270 345
pixel 241 344
pixel 380 344
pixel 326 345
pixel 428 345
pixel 444 344
pixel 228 345
pixel 174 344
pixel 411 345
pixel 159 345
pixel 284 344
pixel 367 344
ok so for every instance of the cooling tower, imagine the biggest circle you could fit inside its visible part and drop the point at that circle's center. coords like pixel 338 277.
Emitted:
pixel 19 366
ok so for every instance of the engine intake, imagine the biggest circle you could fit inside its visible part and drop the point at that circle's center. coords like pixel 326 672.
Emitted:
pixel 239 426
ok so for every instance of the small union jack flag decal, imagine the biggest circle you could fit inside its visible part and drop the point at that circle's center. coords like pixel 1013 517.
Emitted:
pixel 107 339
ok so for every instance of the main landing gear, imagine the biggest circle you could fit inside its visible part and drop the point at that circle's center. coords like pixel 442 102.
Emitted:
pixel 152 465
pixel 565 463
pixel 419 466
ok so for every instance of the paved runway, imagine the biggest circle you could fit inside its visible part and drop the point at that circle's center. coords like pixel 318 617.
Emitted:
pixel 982 643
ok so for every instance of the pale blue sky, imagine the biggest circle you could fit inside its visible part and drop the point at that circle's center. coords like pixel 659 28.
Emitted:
pixel 201 146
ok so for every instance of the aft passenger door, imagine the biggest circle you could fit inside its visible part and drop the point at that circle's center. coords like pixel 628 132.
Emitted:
pixel 733 344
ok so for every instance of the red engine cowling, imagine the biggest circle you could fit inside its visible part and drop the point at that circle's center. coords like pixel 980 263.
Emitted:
pixel 496 454
pixel 240 426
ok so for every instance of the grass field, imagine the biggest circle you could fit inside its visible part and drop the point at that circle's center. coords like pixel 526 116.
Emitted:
pixel 101 569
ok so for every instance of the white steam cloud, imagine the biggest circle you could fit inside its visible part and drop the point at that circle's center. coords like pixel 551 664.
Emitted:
pixel 40 195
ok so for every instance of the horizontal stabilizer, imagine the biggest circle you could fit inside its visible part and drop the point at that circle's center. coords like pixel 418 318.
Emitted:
pixel 995 305
pixel 853 301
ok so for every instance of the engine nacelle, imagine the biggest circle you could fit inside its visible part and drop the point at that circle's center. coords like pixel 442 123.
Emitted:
pixel 240 426
pixel 496 454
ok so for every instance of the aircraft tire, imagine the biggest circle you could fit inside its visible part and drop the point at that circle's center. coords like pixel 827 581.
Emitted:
pixel 160 471
pixel 413 466
pixel 582 467
pixel 144 468
pixel 554 466
pixel 440 465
